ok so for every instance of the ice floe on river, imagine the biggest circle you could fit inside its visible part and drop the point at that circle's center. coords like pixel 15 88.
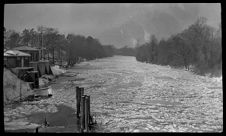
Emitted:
pixel 130 96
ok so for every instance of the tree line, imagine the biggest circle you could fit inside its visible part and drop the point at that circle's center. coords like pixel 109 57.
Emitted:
pixel 197 48
pixel 125 51
pixel 71 48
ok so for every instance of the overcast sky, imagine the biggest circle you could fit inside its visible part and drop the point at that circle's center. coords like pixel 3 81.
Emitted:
pixel 117 24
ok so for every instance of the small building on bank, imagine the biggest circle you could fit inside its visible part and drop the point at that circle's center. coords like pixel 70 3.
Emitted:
pixel 34 52
pixel 15 58
pixel 35 61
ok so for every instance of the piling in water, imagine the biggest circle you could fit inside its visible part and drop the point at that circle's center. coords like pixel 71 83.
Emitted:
pixel 87 114
pixel 78 99
pixel 82 91
pixel 81 94
pixel 83 110
pixel 82 119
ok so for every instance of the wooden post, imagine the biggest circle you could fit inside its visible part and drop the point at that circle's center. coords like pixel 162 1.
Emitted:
pixel 81 94
pixel 78 99
pixel 82 119
pixel 22 62
pixel 87 113
pixel 82 91
pixel 88 107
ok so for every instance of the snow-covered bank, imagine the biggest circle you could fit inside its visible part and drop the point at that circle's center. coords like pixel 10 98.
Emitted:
pixel 14 88
pixel 129 96
pixel 46 79
pixel 57 70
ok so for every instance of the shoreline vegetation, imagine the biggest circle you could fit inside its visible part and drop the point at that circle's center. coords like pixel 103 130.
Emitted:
pixel 197 48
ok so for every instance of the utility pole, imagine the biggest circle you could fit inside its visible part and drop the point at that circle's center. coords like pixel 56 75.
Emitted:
pixel 42 43
pixel 42 53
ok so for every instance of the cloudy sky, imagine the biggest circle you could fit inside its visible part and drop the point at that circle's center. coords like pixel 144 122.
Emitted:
pixel 118 24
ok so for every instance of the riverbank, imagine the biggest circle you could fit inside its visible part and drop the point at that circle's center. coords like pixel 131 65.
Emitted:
pixel 129 96
pixel 28 115
pixel 62 117
pixel 16 89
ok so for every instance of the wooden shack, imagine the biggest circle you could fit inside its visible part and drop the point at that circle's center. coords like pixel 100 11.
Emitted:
pixel 42 66
pixel 15 58
pixel 34 52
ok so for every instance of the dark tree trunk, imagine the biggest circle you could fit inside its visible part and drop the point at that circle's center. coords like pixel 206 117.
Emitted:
pixel 60 57
pixel 185 63
pixel 48 54
pixel 53 57
pixel 68 62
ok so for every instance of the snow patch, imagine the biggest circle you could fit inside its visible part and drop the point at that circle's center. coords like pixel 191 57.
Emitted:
pixel 57 71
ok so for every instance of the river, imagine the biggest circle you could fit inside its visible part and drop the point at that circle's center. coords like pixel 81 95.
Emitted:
pixel 130 96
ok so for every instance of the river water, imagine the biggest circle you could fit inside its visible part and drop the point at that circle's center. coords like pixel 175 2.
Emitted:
pixel 130 96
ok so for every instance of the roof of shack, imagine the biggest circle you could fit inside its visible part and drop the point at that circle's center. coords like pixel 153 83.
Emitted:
pixel 26 48
pixel 15 53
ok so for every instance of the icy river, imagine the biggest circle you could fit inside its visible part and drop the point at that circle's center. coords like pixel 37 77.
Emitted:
pixel 130 96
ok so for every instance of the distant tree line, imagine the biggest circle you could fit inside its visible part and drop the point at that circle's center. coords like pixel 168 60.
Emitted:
pixel 86 47
pixel 125 51
pixel 71 48
pixel 197 48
